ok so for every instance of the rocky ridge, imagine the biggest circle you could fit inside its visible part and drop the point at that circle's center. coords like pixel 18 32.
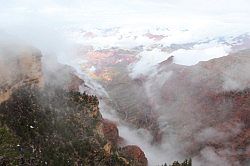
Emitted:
pixel 42 123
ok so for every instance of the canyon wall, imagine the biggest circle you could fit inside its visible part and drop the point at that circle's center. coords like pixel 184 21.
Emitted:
pixel 18 69
pixel 44 120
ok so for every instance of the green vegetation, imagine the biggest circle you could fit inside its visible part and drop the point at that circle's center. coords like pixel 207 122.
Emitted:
pixel 54 127
pixel 176 163
pixel 51 126
pixel 9 147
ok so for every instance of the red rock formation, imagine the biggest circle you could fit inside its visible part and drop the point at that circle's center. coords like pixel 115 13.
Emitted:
pixel 135 153
pixel 110 131
pixel 239 114
pixel 26 71
pixel 131 152
pixel 209 105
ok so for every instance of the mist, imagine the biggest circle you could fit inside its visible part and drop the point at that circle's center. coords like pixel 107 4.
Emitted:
pixel 54 27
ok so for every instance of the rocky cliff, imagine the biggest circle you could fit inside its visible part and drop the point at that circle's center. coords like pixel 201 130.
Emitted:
pixel 207 106
pixel 49 122
pixel 203 109
pixel 18 67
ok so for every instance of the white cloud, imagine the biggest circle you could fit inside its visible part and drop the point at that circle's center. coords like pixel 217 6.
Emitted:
pixel 188 57
pixel 148 59
pixel 199 53
pixel 38 22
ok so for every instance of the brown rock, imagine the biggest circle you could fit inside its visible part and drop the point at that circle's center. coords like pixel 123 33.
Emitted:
pixel 205 94
pixel 135 155
pixel 110 131
pixel 107 148
pixel 75 83
pixel 19 66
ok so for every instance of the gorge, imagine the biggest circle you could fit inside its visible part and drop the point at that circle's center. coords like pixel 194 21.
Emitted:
pixel 136 82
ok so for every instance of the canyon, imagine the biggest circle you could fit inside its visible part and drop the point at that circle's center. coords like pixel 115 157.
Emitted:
pixel 125 83
pixel 172 113
pixel 47 121
pixel 195 111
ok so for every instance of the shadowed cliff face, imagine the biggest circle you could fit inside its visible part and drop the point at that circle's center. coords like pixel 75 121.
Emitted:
pixel 197 111
pixel 54 124
pixel 206 106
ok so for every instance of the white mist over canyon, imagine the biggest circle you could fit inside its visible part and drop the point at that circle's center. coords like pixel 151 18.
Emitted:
pixel 125 49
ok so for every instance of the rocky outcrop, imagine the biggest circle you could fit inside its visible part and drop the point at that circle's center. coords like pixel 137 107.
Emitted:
pixel 132 152
pixel 55 124
pixel 110 132
pixel 207 105
pixel 235 125
pixel 18 68
pixel 127 96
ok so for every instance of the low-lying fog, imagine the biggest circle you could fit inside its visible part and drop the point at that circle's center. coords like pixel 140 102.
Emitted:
pixel 209 27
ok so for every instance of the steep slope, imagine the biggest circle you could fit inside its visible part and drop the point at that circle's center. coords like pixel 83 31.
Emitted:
pixel 18 67
pixel 56 127
pixel 206 106
pixel 126 96
pixel 51 123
